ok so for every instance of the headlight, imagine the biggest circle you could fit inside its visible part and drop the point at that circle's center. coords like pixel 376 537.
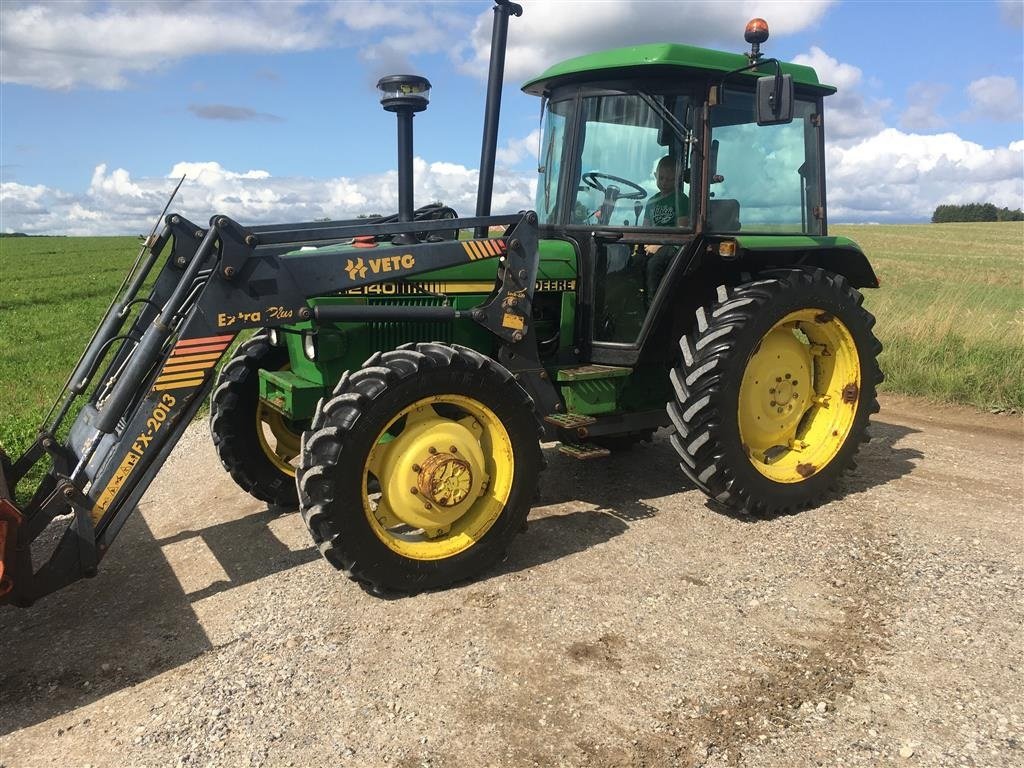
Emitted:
pixel 275 337
pixel 309 344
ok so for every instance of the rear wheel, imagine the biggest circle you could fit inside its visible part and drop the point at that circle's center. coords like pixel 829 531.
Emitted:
pixel 420 469
pixel 775 390
pixel 257 445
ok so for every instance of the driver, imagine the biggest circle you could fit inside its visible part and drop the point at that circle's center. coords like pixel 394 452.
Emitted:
pixel 670 207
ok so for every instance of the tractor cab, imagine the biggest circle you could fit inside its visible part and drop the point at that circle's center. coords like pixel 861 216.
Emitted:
pixel 652 151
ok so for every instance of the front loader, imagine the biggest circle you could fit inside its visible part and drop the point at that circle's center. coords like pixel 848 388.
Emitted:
pixel 676 273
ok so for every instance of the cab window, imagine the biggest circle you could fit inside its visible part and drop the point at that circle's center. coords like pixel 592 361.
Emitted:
pixel 763 178
pixel 626 144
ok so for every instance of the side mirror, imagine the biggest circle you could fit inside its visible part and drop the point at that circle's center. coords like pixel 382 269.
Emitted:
pixel 774 99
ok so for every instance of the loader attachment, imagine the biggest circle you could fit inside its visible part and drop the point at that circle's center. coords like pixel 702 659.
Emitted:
pixel 152 360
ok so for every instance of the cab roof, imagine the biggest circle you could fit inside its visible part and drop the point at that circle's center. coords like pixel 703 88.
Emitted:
pixel 625 62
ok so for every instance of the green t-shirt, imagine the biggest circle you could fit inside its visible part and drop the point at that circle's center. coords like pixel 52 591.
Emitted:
pixel 665 210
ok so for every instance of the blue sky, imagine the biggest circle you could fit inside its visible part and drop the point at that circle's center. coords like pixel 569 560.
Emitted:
pixel 270 107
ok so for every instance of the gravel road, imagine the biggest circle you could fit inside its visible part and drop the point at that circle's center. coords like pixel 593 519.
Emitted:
pixel 631 625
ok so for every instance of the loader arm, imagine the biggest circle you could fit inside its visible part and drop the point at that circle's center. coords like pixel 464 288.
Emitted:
pixel 215 283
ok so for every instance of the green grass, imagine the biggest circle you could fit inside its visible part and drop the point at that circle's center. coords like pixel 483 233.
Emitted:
pixel 54 292
pixel 950 313
pixel 950 309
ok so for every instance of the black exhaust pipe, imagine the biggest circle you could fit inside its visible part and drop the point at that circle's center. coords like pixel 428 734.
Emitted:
pixel 495 77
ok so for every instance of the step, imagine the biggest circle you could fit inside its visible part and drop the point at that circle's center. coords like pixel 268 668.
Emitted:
pixel 583 451
pixel 569 420
pixel 593 371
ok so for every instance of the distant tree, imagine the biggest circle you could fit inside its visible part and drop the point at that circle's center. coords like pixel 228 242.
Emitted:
pixel 945 214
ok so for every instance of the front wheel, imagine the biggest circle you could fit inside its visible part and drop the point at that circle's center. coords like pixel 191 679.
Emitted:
pixel 420 469
pixel 775 389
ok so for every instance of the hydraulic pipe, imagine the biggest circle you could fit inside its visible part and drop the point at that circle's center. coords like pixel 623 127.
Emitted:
pixel 492 108
pixel 148 350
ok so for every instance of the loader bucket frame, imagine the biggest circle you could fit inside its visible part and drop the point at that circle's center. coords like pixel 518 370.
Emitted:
pixel 215 282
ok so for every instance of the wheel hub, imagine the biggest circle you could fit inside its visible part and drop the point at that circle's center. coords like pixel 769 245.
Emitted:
pixel 445 479
pixel 426 486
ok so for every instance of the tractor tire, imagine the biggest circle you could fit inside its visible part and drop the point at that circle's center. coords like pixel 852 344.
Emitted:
pixel 420 469
pixel 255 443
pixel 775 389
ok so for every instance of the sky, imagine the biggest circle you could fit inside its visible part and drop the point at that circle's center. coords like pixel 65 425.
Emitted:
pixel 271 112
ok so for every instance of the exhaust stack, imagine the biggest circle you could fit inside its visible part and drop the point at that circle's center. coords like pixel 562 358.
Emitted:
pixel 495 77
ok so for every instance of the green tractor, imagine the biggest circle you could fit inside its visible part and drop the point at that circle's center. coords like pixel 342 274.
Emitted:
pixel 676 273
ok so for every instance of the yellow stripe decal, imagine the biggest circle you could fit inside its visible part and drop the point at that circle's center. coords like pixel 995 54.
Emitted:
pixel 165 376
pixel 204 340
pixel 178 384
pixel 469 253
pixel 199 350
pixel 185 367
pixel 492 247
pixel 479 251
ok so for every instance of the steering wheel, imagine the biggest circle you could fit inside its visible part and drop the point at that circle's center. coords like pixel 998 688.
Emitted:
pixel 591 180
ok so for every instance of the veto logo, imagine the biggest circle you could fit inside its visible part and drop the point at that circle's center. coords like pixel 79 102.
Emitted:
pixel 357 269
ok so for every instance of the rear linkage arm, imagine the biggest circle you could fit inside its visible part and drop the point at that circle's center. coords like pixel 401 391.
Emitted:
pixel 215 283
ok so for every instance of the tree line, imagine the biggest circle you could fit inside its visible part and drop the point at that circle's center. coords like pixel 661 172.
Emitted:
pixel 945 214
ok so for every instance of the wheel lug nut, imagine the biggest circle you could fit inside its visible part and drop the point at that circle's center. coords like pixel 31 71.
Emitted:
pixel 789 376
pixel 780 410
pixel 796 396
pixel 428 505
pixel 453 449
pixel 773 403
pixel 416 467
pixel 414 491
pixel 778 378
pixel 432 450
pixel 771 391
pixel 795 382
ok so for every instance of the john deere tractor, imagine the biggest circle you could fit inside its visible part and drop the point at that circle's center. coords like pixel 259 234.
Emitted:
pixel 676 273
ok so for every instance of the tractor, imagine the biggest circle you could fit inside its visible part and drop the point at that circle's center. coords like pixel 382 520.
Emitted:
pixel 675 273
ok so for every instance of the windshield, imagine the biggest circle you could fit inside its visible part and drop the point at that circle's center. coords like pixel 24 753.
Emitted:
pixel 634 169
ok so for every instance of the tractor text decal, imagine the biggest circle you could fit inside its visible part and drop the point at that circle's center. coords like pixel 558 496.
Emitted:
pixel 154 422
pixel 358 268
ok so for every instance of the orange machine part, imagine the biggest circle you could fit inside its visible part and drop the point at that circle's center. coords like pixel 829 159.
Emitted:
pixel 10 521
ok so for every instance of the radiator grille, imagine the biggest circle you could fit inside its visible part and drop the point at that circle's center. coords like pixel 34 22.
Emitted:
pixel 389 335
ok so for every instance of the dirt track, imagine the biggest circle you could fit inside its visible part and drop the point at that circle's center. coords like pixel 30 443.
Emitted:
pixel 632 625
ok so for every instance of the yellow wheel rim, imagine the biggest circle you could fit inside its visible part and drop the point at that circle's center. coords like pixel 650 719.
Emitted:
pixel 799 395
pixel 279 443
pixel 438 477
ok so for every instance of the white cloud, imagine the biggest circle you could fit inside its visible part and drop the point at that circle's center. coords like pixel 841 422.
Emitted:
pixel 921 113
pixel 552 30
pixel 69 44
pixel 997 98
pixel 848 114
pixel 897 176
pixel 116 203
pixel 519 150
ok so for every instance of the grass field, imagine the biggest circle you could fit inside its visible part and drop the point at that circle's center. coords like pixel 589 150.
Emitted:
pixel 950 313
pixel 950 309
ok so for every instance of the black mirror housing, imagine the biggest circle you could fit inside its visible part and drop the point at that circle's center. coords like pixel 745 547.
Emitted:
pixel 774 99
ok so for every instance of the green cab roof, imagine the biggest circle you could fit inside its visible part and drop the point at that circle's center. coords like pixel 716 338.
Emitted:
pixel 662 55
